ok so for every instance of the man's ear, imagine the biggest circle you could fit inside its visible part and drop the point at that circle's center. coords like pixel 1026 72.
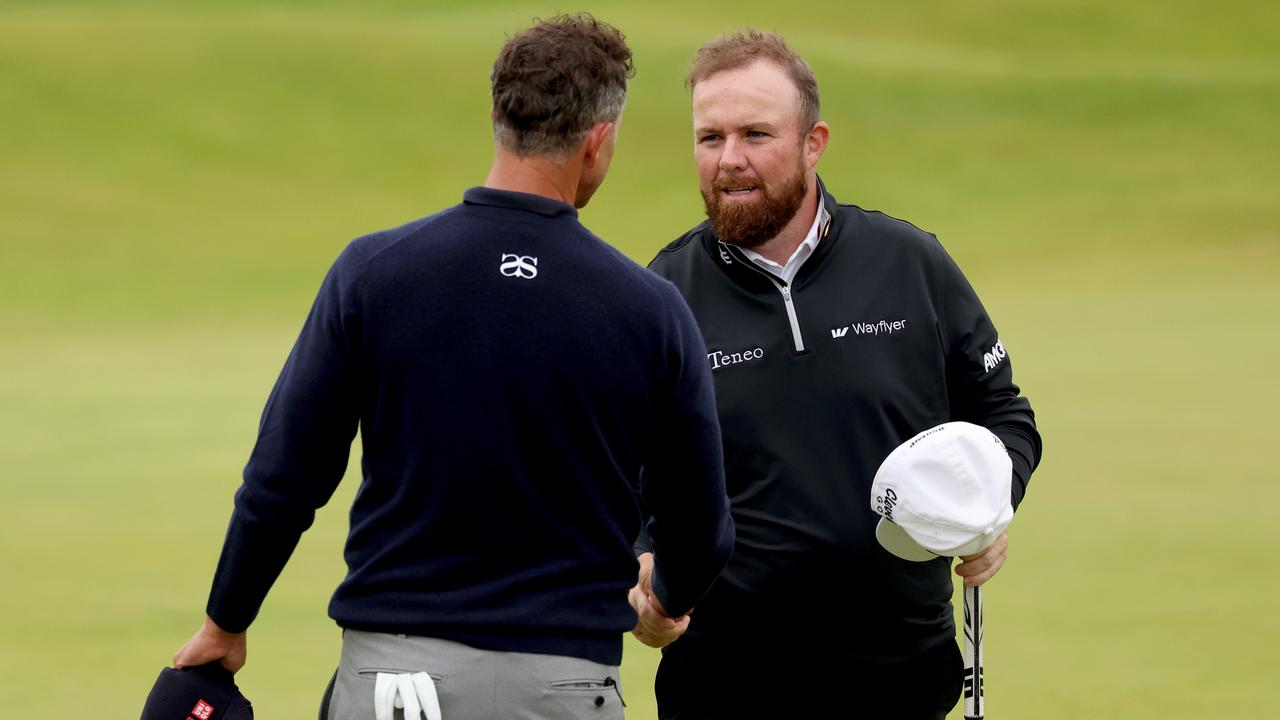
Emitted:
pixel 594 141
pixel 815 144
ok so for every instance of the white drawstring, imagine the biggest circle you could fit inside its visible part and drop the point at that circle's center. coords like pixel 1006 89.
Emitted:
pixel 384 696
pixel 426 691
pixel 415 693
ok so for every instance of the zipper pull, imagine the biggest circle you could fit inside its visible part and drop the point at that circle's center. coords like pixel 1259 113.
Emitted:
pixel 610 681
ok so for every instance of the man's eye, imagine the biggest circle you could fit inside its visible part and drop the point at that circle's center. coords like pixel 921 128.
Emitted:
pixel 756 134
pixel 708 138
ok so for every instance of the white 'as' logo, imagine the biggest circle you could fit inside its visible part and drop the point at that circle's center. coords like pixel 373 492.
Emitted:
pixel 521 266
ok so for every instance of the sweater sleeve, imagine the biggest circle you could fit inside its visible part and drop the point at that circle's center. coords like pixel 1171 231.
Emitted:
pixel 689 529
pixel 304 440
pixel 980 383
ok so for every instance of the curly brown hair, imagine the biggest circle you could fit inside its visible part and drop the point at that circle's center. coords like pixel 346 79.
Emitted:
pixel 553 81
pixel 740 49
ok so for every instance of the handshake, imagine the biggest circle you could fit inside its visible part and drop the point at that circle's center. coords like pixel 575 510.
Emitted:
pixel 654 627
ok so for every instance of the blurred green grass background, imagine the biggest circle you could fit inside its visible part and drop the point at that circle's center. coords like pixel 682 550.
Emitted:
pixel 175 177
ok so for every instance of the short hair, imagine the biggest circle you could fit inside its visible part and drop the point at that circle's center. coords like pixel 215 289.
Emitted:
pixel 555 80
pixel 740 49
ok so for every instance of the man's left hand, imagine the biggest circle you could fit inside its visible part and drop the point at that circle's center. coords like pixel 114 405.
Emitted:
pixel 212 643
pixel 979 568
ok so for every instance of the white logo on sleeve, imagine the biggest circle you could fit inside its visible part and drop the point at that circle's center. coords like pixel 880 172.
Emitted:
pixel 521 266
pixel 994 357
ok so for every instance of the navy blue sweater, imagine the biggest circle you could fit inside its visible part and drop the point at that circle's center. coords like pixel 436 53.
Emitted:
pixel 510 375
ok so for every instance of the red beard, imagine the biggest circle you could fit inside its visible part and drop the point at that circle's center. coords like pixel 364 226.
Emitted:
pixel 752 224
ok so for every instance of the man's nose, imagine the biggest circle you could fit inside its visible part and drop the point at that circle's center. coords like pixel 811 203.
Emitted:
pixel 733 158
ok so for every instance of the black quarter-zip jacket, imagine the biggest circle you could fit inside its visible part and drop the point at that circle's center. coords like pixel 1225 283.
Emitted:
pixel 880 336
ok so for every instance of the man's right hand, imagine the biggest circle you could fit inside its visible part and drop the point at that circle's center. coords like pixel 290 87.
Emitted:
pixel 654 628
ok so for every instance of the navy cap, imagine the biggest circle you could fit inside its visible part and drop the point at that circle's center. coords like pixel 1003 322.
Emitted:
pixel 203 692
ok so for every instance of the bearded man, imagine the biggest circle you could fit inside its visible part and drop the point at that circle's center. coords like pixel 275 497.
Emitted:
pixel 833 335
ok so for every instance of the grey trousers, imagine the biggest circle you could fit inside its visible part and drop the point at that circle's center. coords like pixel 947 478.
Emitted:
pixel 470 684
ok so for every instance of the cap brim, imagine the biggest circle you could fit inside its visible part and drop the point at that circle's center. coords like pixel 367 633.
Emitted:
pixel 898 542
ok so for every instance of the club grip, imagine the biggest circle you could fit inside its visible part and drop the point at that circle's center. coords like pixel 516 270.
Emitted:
pixel 975 704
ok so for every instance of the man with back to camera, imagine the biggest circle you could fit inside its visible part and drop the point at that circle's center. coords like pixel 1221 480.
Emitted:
pixel 510 374
pixel 833 334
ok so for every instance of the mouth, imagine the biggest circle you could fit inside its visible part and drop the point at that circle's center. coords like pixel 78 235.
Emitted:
pixel 737 192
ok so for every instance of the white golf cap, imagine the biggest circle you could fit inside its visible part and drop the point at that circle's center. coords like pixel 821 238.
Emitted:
pixel 944 492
